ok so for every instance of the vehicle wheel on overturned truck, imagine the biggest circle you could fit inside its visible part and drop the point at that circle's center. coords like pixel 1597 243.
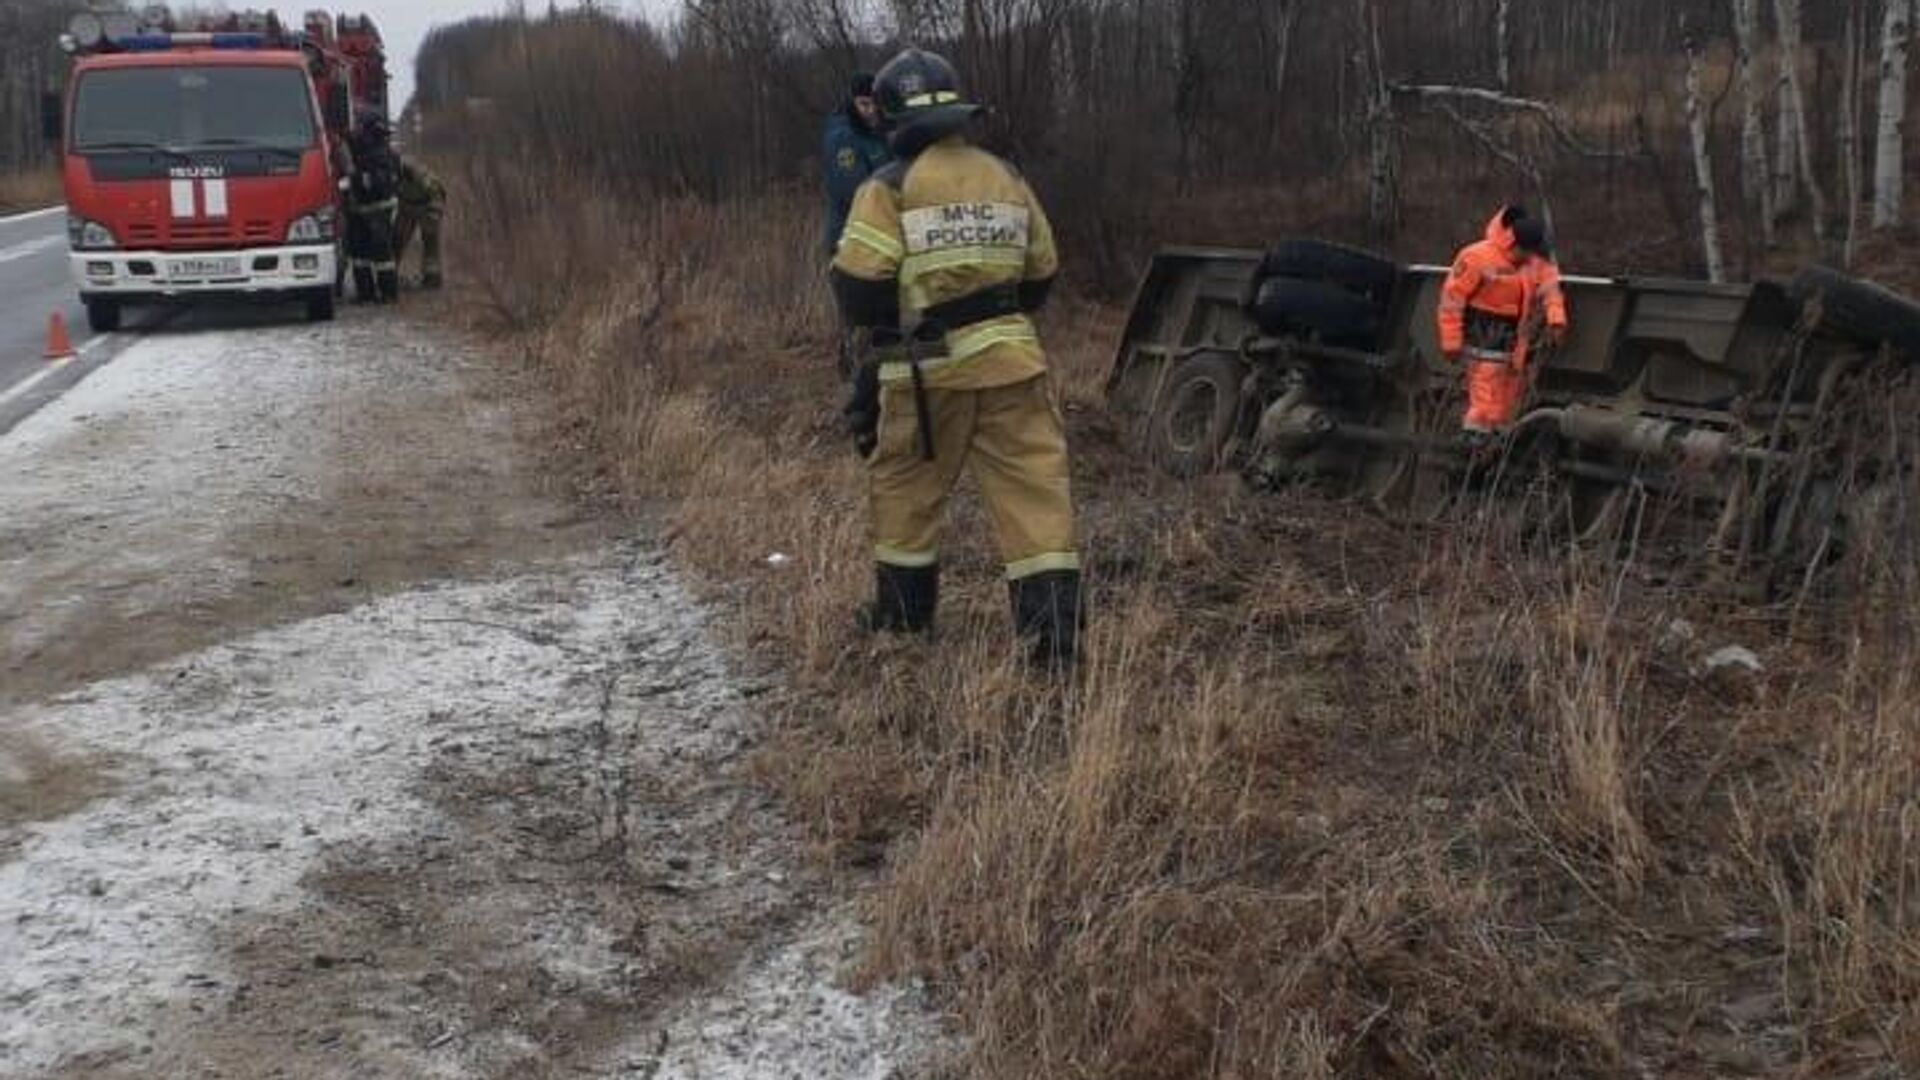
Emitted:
pixel 1859 309
pixel 1196 414
pixel 1351 269
pixel 1318 311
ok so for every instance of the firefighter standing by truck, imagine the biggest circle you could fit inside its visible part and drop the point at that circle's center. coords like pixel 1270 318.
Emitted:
pixel 373 199
pixel 1501 302
pixel 946 255
pixel 423 202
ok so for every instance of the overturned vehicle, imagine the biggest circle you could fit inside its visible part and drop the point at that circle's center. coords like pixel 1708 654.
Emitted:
pixel 1317 363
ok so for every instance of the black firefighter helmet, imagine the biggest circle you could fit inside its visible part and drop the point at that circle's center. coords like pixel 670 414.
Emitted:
pixel 921 101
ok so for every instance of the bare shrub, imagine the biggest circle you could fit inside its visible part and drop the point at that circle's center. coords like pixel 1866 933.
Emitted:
pixel 34 190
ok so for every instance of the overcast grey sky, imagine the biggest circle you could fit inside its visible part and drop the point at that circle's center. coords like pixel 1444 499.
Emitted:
pixel 404 23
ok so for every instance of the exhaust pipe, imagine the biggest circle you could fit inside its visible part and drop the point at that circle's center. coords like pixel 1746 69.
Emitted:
pixel 1648 438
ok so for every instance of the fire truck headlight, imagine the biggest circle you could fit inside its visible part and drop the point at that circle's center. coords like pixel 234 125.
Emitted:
pixel 84 235
pixel 314 228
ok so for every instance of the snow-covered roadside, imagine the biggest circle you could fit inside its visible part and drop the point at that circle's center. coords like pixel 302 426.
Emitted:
pixel 485 819
pixel 242 767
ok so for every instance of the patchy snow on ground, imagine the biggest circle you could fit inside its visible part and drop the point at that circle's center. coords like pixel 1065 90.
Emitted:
pixel 784 1014
pixel 243 765
pixel 482 815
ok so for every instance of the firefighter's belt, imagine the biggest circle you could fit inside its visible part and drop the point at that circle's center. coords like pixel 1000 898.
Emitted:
pixel 994 302
pixel 381 207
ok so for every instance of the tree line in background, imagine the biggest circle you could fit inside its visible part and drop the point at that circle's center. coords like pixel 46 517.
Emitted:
pixel 1656 133
pixel 31 65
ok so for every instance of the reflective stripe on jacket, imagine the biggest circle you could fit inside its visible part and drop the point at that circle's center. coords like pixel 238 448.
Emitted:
pixel 1493 278
pixel 958 223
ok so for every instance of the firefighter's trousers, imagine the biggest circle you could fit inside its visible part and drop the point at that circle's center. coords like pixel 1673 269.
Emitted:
pixel 1010 438
pixel 1496 388
pixel 370 252
pixel 423 220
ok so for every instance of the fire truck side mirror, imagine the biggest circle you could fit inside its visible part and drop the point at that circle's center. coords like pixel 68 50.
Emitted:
pixel 52 126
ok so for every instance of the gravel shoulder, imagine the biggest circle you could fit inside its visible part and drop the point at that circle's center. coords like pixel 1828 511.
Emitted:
pixel 337 740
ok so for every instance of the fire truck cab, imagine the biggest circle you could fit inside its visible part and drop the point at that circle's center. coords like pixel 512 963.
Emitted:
pixel 205 162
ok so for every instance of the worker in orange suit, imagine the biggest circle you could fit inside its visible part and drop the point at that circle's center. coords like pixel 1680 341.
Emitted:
pixel 1501 300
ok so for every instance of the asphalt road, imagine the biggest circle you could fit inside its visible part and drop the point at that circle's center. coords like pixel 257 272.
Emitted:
pixel 33 285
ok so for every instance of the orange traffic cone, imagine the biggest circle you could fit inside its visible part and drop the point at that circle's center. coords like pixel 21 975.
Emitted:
pixel 59 344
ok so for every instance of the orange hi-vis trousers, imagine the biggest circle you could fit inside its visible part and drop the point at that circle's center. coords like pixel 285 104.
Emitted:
pixel 1496 387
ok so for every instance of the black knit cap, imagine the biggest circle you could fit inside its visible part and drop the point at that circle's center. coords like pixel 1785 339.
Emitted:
pixel 1530 236
pixel 862 85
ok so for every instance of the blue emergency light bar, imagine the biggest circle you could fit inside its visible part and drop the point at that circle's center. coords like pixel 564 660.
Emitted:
pixel 235 40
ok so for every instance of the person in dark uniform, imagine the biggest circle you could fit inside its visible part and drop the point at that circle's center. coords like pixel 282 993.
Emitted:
pixel 851 150
pixel 373 198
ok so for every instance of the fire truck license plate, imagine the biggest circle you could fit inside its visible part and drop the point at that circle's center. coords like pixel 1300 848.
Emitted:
pixel 204 268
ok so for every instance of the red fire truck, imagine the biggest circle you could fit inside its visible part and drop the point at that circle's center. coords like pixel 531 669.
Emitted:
pixel 205 161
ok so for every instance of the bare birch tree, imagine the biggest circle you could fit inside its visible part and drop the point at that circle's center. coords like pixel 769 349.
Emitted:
pixel 1383 208
pixel 1786 158
pixel 1890 148
pixel 1703 159
pixel 1278 18
pixel 1850 103
pixel 1756 180
pixel 1503 45
pixel 1794 112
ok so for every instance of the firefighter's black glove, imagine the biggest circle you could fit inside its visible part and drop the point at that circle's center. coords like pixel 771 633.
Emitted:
pixel 862 411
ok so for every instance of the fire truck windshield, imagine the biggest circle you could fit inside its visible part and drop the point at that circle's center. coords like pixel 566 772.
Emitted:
pixel 183 108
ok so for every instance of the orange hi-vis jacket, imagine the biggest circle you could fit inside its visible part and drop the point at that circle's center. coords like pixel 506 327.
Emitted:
pixel 1494 280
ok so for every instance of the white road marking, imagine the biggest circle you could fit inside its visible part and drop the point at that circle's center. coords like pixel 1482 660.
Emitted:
pixel 33 215
pixel 30 248
pixel 26 385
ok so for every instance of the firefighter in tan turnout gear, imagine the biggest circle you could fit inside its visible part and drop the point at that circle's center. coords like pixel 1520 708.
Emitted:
pixel 423 202
pixel 945 256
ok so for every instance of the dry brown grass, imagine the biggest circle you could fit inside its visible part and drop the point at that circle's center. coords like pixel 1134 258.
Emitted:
pixel 29 190
pixel 1333 796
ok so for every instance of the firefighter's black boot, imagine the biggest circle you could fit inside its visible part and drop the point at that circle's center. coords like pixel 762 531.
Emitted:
pixel 1047 617
pixel 904 599
pixel 389 286
pixel 365 289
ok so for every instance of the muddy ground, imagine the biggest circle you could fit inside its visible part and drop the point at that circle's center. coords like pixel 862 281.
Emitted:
pixel 340 737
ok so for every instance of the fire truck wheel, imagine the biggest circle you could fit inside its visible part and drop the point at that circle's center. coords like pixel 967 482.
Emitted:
pixel 103 316
pixel 320 305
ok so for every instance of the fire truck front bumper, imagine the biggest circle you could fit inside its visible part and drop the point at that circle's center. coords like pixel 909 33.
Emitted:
pixel 133 275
